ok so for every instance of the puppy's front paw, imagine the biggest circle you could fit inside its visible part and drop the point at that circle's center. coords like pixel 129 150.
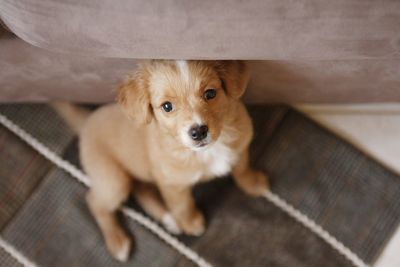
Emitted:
pixel 195 225
pixel 255 184
pixel 170 224
pixel 119 245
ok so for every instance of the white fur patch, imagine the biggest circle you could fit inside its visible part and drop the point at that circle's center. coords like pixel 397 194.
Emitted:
pixel 183 69
pixel 218 159
pixel 196 119
pixel 170 224
pixel 123 253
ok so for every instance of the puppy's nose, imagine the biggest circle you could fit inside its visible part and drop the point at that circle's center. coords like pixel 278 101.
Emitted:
pixel 198 132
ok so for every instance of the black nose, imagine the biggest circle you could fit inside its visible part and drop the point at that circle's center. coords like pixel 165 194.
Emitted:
pixel 198 132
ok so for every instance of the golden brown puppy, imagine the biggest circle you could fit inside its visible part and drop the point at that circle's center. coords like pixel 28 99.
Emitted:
pixel 185 124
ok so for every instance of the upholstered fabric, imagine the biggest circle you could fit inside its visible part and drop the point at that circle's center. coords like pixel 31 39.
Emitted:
pixel 305 51
pixel 209 29
pixel 28 73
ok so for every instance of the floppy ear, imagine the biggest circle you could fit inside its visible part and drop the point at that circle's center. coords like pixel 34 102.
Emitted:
pixel 234 75
pixel 133 95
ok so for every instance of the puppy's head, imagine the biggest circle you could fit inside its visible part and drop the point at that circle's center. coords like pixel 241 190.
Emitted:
pixel 187 99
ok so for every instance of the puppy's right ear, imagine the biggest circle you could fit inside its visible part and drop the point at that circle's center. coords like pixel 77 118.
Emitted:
pixel 133 95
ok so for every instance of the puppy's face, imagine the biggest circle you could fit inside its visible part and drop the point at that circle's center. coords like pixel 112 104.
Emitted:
pixel 187 99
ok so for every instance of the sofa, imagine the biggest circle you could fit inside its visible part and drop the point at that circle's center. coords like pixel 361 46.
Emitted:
pixel 299 51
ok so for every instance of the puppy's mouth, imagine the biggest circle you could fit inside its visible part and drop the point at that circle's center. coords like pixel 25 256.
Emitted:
pixel 199 145
pixel 202 144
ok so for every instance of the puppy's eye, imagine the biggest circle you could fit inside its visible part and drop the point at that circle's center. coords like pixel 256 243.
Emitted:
pixel 209 94
pixel 167 106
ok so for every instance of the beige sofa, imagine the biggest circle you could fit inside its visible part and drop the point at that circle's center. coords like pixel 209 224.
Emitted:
pixel 301 51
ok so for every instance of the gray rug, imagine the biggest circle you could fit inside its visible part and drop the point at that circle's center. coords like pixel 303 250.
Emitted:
pixel 43 213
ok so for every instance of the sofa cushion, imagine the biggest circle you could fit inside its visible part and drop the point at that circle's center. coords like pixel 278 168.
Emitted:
pixel 208 29
pixel 31 74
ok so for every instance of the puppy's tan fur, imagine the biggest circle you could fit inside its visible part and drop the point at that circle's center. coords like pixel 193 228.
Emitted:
pixel 147 151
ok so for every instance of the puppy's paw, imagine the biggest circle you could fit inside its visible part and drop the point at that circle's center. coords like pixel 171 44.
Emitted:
pixel 170 224
pixel 119 245
pixel 195 225
pixel 255 184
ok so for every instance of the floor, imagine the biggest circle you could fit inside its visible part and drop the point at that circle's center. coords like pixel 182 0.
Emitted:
pixel 373 128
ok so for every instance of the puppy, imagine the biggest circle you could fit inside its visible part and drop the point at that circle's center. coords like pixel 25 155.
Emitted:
pixel 181 123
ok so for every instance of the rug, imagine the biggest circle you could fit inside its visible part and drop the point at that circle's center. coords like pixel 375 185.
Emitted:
pixel 44 215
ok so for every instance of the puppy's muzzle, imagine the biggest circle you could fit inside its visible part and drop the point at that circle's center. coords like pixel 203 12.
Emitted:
pixel 198 132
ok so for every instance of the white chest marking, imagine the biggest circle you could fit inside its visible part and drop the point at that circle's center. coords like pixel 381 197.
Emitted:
pixel 218 159
pixel 183 69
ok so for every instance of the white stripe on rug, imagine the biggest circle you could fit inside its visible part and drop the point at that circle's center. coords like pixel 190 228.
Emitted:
pixel 17 255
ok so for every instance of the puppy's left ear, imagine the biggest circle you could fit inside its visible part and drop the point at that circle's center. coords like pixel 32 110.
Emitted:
pixel 133 96
pixel 234 75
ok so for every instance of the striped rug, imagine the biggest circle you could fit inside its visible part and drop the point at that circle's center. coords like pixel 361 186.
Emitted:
pixel 43 213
